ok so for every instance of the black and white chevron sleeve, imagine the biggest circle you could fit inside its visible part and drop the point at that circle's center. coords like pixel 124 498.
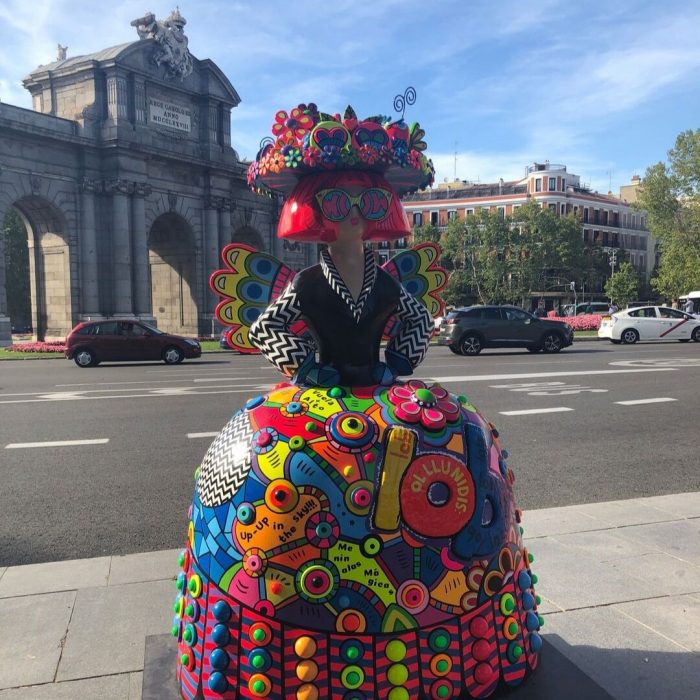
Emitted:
pixel 412 340
pixel 271 333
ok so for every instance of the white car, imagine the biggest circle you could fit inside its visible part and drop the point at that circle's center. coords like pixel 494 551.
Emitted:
pixel 649 323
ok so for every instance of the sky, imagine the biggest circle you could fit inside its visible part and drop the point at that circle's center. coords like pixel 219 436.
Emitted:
pixel 601 87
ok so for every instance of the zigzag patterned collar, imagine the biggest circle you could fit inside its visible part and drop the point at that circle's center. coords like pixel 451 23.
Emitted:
pixel 337 284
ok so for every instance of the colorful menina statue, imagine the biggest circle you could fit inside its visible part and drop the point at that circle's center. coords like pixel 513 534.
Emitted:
pixel 351 535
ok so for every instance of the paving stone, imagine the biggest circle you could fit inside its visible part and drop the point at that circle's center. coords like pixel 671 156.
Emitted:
pixel 603 545
pixel 106 688
pixel 30 643
pixel 54 576
pixel 685 505
pixel 146 566
pixel 3 569
pixel 674 617
pixel 554 521
pixel 669 575
pixel 570 578
pixel 629 660
pixel 623 513
pixel 109 625
pixel 680 538
pixel 135 684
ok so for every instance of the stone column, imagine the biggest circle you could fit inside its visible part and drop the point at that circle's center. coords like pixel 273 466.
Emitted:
pixel 226 228
pixel 142 280
pixel 212 206
pixel 5 323
pixel 89 274
pixel 121 247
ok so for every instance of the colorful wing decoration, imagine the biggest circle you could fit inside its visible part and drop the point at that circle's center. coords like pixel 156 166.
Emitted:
pixel 417 270
pixel 249 283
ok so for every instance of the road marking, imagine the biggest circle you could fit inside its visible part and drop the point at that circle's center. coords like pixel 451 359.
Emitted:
pixel 531 411
pixel 193 436
pixel 56 443
pixel 660 362
pixel 493 377
pixel 134 396
pixel 638 402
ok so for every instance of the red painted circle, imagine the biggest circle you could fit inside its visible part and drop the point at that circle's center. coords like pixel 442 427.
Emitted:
pixel 483 674
pixel 481 650
pixel 453 511
pixel 479 627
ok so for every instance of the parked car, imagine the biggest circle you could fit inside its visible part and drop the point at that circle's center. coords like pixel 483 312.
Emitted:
pixel 649 323
pixel 469 330
pixel 93 342
pixel 588 307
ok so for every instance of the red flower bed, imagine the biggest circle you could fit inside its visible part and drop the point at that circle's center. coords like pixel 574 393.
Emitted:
pixel 50 346
pixel 584 322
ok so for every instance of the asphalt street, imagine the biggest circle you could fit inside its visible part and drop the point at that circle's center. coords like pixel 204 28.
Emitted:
pixel 594 423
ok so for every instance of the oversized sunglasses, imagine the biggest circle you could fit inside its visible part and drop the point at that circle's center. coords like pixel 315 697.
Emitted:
pixel 373 203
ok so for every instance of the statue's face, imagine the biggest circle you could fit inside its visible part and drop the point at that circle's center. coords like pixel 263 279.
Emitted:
pixel 343 509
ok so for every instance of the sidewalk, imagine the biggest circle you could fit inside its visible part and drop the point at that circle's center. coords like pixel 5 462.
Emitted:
pixel 619 581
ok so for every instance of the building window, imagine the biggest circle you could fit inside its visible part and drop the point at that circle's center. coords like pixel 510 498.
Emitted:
pixel 562 209
pixel 451 215
pixel 552 184
pixel 434 218
pixel 417 218
pixel 538 184
pixel 586 235
pixel 553 208
pixel 469 212
pixel 563 184
pixel 585 215
pixel 501 212
pixel 605 218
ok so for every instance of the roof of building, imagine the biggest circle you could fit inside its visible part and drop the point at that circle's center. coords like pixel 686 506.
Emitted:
pixel 104 55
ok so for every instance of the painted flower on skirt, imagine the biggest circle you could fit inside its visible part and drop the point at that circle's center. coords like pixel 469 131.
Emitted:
pixel 293 125
pixel 432 407
pixel 475 576
pixel 312 156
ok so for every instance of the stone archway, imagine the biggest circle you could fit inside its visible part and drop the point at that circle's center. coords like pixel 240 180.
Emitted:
pixel 249 236
pixel 171 256
pixel 49 267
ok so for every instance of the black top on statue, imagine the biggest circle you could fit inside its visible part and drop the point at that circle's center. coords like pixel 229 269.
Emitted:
pixel 349 343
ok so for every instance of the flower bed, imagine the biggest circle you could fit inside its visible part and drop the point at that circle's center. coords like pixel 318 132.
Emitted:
pixel 583 322
pixel 50 346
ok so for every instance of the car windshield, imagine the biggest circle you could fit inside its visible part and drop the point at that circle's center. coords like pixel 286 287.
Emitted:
pixel 152 329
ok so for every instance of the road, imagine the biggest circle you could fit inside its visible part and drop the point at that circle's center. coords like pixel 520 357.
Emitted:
pixel 142 429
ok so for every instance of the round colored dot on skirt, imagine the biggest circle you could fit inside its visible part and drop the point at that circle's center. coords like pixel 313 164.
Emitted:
pixel 307 691
pixel 395 650
pixel 311 427
pixel 305 647
pixel 369 457
pixel 398 694
pixel 348 470
pixel 397 674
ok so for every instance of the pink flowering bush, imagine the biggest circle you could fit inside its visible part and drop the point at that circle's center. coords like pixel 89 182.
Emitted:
pixel 41 346
pixel 584 322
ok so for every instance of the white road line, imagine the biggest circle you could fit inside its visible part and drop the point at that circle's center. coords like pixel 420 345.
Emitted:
pixel 492 377
pixel 638 402
pixel 56 443
pixel 192 436
pixel 132 396
pixel 532 411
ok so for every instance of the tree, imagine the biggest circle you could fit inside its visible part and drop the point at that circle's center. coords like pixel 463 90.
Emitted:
pixel 19 305
pixel 670 194
pixel 426 233
pixel 622 286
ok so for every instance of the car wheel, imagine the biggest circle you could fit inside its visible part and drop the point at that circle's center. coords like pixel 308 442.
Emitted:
pixel 534 349
pixel 470 344
pixel 629 337
pixel 173 355
pixel 696 335
pixel 84 358
pixel 455 350
pixel 552 343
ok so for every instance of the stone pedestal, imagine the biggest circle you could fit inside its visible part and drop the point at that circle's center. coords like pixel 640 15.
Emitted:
pixel 5 331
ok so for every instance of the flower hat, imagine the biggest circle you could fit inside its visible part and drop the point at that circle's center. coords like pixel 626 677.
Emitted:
pixel 307 141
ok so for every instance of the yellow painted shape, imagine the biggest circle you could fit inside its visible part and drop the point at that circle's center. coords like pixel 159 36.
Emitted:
pixel 456 444
pixel 272 463
pixel 451 588
pixel 399 452
pixel 320 403
pixel 352 565
pixel 279 586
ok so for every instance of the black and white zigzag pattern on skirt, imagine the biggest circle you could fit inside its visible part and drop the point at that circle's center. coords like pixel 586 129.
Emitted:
pixel 413 337
pixel 270 333
pixel 330 272
pixel 226 463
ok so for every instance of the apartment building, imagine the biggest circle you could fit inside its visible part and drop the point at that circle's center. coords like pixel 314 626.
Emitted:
pixel 606 220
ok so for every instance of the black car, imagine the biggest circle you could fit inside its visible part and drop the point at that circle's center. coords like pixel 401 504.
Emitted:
pixel 469 330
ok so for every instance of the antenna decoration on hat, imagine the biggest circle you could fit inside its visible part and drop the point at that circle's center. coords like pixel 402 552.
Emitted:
pixel 307 141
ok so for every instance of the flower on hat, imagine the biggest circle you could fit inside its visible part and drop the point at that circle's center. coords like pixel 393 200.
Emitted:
pixel 276 161
pixel 414 159
pixel 293 125
pixel 368 154
pixel 330 155
pixel 292 158
pixel 432 407
pixel 312 157
pixel 400 153
pixel 264 164
pixel 252 172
